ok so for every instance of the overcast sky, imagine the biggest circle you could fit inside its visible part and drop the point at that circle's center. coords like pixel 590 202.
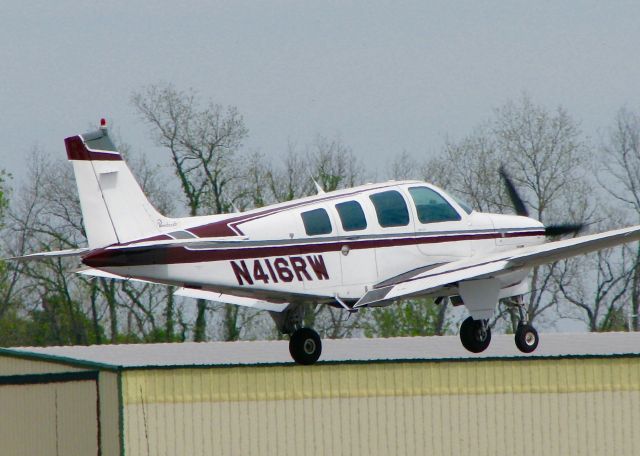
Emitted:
pixel 386 77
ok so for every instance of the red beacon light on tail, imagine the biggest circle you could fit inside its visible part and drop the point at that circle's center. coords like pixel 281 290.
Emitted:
pixel 103 123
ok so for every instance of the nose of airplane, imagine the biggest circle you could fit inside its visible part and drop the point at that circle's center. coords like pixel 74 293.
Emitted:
pixel 517 230
pixel 516 222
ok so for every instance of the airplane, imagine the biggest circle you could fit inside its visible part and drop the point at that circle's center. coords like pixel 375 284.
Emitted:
pixel 367 246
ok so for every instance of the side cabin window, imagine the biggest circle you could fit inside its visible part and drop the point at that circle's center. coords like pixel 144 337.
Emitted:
pixel 316 222
pixel 351 216
pixel 432 207
pixel 391 209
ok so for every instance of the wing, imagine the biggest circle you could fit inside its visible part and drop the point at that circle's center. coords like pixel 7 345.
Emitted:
pixel 497 266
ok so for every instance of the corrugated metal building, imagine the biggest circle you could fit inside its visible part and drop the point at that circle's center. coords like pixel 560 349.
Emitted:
pixel 579 394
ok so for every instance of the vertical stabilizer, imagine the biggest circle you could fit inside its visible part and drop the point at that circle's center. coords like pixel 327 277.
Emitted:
pixel 114 208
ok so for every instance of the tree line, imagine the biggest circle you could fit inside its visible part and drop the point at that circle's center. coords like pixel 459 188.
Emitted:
pixel 562 175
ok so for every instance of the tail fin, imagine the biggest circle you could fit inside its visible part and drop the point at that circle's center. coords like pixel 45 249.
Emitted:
pixel 114 208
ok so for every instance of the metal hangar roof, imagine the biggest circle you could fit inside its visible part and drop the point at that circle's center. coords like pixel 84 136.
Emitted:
pixel 399 349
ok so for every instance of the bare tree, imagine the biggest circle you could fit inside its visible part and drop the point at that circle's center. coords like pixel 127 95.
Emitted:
pixel 291 179
pixel 333 164
pixel 254 191
pixel 47 216
pixel 469 169
pixel 544 155
pixel 327 161
pixel 203 143
pixel 404 166
pixel 620 177
pixel 601 287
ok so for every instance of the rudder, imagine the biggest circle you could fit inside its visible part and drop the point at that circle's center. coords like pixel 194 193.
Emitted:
pixel 114 207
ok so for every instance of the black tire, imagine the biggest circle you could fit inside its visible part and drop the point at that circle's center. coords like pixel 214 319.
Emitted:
pixel 472 337
pixel 305 346
pixel 526 338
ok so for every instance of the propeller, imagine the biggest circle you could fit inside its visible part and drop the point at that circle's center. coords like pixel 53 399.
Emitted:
pixel 518 204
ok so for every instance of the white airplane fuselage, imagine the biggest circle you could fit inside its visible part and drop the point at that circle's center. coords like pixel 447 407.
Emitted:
pixel 269 252
pixel 360 247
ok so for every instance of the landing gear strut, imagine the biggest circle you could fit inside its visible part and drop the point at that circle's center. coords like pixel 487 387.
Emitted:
pixel 526 336
pixel 475 335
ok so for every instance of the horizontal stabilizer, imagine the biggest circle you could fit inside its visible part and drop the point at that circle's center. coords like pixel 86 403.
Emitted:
pixel 92 272
pixel 52 254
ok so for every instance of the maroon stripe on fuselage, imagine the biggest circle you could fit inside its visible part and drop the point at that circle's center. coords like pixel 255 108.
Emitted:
pixel 77 150
pixel 179 254
pixel 229 227
pixel 215 229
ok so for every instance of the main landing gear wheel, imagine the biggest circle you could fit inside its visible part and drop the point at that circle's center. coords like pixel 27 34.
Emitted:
pixel 526 338
pixel 305 346
pixel 475 335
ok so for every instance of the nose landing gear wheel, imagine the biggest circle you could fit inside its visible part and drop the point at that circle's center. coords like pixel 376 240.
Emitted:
pixel 475 335
pixel 305 346
pixel 526 338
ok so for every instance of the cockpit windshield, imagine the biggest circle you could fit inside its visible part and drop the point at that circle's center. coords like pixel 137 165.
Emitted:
pixel 462 203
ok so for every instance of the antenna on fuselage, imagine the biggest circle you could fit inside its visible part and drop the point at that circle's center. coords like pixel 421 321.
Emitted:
pixel 319 189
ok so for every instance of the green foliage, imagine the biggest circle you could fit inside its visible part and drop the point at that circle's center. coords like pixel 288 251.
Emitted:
pixel 56 323
pixel 16 330
pixel 615 319
pixel 62 322
pixel 131 337
pixel 414 317
pixel 159 335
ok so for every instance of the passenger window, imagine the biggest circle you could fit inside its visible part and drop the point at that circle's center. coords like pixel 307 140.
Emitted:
pixel 351 216
pixel 432 207
pixel 181 235
pixel 390 209
pixel 316 222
